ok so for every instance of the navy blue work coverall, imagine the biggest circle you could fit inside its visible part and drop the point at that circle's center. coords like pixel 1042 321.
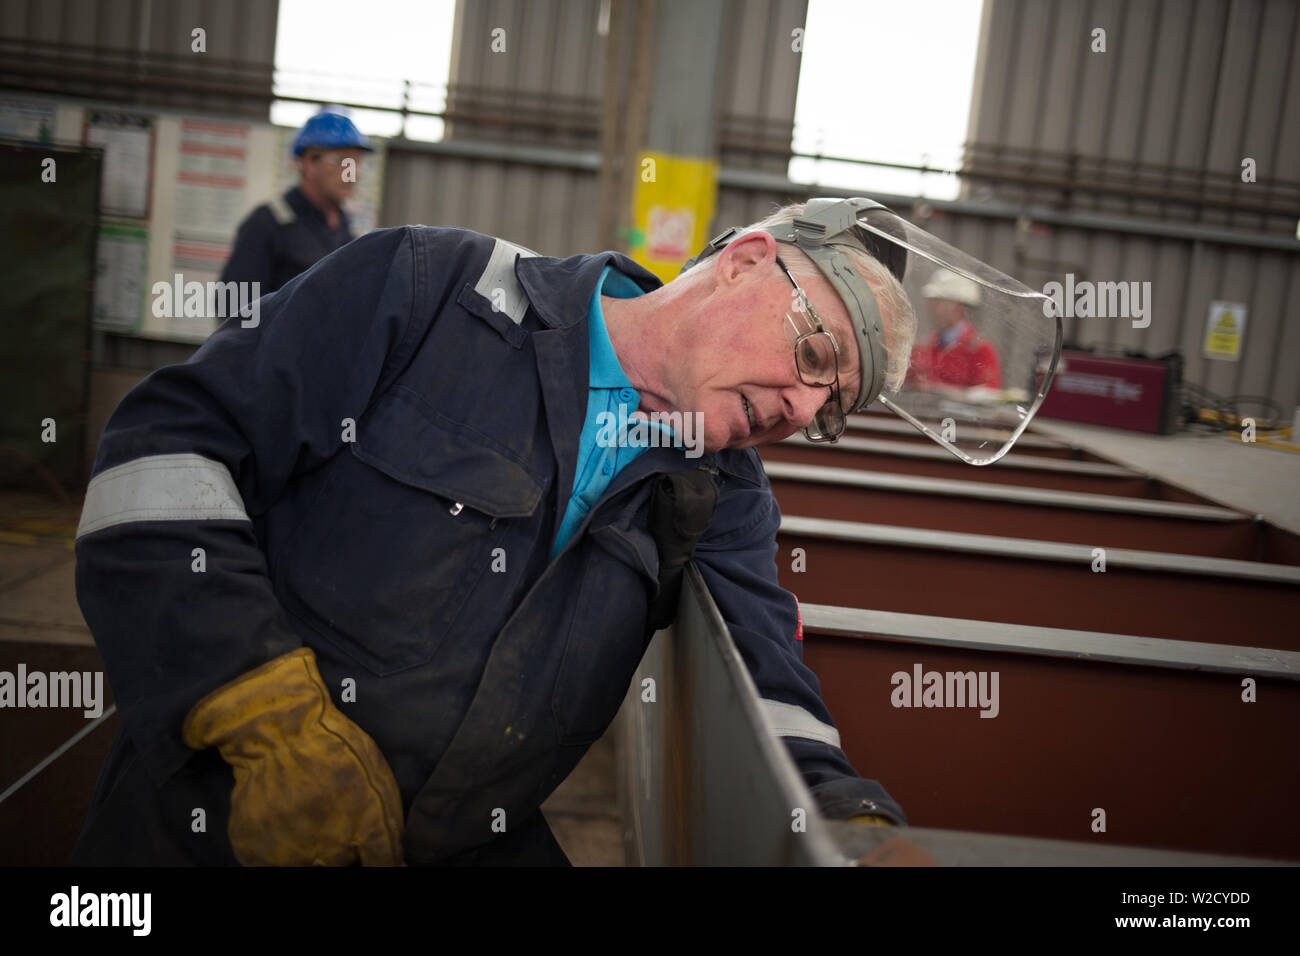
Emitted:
pixel 482 688
pixel 281 239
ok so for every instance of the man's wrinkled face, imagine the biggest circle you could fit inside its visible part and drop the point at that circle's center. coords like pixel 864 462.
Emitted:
pixel 333 172
pixel 736 363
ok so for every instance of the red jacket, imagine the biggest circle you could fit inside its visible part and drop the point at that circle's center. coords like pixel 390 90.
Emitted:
pixel 968 360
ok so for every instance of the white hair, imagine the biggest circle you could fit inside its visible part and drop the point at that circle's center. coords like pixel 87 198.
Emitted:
pixel 896 315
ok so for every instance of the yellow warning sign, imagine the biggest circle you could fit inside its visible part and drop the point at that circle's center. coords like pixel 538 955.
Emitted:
pixel 672 209
pixel 1224 327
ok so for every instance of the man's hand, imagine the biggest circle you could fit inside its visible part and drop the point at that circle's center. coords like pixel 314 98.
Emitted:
pixel 311 787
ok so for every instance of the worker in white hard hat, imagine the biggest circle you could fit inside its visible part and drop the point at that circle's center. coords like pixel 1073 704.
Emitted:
pixel 954 354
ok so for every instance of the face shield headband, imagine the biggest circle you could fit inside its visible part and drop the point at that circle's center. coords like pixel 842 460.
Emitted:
pixel 981 348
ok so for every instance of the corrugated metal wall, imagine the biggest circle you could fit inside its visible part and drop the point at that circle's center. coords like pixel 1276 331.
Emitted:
pixel 545 91
pixel 1184 92
pixel 1183 85
pixel 545 86
pixel 140 51
pixel 551 209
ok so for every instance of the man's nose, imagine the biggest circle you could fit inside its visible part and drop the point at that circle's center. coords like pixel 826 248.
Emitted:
pixel 800 402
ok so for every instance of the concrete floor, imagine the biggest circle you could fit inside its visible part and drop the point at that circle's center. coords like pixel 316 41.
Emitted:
pixel 41 626
pixel 1253 478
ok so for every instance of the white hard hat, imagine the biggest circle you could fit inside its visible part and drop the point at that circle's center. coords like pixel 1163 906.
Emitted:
pixel 948 285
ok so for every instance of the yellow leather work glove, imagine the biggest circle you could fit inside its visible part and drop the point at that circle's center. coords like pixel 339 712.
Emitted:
pixel 311 787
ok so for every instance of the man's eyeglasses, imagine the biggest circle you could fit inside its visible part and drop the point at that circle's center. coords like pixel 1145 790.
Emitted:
pixel 816 357
pixel 337 163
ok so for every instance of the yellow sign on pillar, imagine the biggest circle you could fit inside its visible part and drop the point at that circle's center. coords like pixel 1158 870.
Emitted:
pixel 671 209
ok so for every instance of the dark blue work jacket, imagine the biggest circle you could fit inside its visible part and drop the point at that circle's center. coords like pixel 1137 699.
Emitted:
pixel 460 363
pixel 281 239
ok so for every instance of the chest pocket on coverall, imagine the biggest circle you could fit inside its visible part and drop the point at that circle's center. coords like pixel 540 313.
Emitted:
pixel 386 558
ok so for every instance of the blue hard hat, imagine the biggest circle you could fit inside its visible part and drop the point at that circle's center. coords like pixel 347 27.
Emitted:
pixel 330 131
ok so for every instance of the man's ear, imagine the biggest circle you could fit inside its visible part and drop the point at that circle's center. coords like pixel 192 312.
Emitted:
pixel 745 256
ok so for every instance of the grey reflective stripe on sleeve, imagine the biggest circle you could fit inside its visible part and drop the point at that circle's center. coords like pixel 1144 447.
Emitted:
pixel 791 721
pixel 498 284
pixel 161 488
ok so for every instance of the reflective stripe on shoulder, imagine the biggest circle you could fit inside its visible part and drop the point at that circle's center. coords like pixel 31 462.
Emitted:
pixel 282 211
pixel 791 721
pixel 161 488
pixel 498 283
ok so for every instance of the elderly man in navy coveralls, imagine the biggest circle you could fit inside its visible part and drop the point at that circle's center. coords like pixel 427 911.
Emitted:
pixel 363 576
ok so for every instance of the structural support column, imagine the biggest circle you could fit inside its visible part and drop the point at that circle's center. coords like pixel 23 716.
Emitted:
pixel 660 107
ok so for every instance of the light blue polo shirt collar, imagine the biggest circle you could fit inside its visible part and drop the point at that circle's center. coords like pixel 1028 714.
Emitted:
pixel 604 371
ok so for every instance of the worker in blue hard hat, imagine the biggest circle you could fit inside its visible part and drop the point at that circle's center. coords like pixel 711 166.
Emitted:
pixel 286 236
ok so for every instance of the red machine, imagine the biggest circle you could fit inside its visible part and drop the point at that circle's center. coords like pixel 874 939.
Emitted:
pixel 1138 394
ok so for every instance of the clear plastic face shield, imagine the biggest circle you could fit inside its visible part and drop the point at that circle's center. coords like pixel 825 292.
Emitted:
pixel 959 350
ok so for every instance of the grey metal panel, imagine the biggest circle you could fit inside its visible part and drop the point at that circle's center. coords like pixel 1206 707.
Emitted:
pixel 1097 79
pixel 1195 100
pixel 682 105
pixel 1169 62
pixel 999 546
pixel 1285 159
pixel 13 18
pixel 1100 252
pixel 118 23
pixel 1023 103
pixel 44 21
pixel 1261 131
pixel 81 22
pixel 1191 84
pixel 758 76
pixel 711 784
pixel 159 34
pixel 522 190
pixel 1265 329
pixel 1138 259
pixel 1286 370
pixel 783 63
pixel 256 22
pixel 1169 291
pixel 996 60
pixel 533 56
pixel 1052 642
pixel 578 52
pixel 741 81
pixel 1202 283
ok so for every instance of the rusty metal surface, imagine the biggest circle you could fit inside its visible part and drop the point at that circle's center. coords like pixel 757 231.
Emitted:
pixel 705 781
pixel 1176 759
pixel 1242 539
pixel 1106 557
pixel 1052 594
